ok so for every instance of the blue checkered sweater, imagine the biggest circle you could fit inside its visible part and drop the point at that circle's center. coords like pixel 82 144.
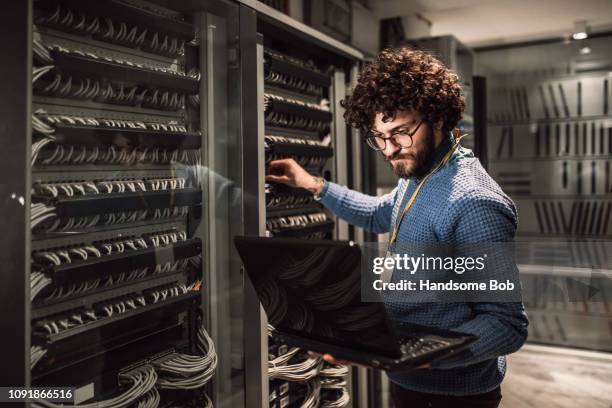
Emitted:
pixel 460 203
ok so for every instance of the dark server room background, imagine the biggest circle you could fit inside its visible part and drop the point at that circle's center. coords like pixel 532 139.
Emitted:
pixel 135 137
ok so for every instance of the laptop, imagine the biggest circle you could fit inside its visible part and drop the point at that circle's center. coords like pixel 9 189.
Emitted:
pixel 311 293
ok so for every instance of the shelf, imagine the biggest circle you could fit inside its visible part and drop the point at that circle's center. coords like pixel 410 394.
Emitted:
pixel 298 110
pixel 177 304
pixel 277 64
pixel 55 105
pixel 573 197
pixel 93 268
pixel 293 210
pixel 70 365
pixel 283 189
pixel 561 270
pixel 124 12
pixel 42 309
pixel 295 149
pixel 325 226
pixel 544 121
pixel 80 206
pixel 283 131
pixel 82 135
pixel 122 72
pixel 42 241
pixel 291 92
pixel 602 157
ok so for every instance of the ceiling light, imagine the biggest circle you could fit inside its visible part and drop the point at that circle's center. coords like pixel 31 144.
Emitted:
pixel 585 50
pixel 580 30
pixel 581 35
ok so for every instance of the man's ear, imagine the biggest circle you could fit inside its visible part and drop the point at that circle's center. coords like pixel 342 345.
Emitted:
pixel 438 125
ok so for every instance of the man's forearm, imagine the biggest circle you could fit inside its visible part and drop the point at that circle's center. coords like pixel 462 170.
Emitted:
pixel 362 210
pixel 499 334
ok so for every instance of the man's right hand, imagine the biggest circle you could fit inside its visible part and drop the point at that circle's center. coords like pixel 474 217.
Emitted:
pixel 287 171
pixel 331 360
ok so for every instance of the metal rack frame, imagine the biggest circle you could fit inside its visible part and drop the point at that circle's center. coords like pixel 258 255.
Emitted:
pixel 15 86
pixel 255 18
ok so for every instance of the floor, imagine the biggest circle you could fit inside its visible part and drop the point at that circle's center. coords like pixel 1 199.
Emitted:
pixel 550 377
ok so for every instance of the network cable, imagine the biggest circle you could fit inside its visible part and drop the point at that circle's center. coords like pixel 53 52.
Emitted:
pixel 140 382
pixel 36 354
pixel 313 394
pixel 305 370
pixel 183 371
pixel 149 400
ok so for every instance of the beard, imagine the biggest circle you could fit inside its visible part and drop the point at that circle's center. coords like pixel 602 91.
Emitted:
pixel 414 164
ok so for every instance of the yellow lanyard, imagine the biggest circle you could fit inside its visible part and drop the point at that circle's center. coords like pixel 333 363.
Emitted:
pixel 397 225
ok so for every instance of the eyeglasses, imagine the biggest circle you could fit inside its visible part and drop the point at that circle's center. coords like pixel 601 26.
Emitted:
pixel 400 138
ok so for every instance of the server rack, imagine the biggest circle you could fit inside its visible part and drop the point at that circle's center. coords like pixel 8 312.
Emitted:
pixel 102 62
pixel 123 121
pixel 298 125
pixel 298 115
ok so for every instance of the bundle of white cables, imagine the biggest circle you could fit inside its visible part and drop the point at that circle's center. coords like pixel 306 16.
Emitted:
pixel 313 394
pixel 334 387
pixel 179 372
pixel 142 380
pixel 39 213
pixel 149 400
pixel 341 401
pixel 302 371
pixel 36 354
pixel 38 281
pixel 279 367
pixel 187 372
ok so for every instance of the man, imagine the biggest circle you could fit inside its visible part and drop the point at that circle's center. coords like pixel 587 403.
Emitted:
pixel 408 103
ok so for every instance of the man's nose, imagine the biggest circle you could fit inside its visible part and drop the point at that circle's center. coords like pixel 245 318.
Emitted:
pixel 390 148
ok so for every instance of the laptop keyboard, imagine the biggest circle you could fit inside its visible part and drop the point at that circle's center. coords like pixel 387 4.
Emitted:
pixel 418 346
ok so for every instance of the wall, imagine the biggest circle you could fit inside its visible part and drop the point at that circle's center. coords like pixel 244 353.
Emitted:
pixel 365 30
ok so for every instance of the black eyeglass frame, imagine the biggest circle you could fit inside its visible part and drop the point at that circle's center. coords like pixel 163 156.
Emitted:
pixel 371 138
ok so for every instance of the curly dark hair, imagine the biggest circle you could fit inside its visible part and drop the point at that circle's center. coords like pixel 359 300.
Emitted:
pixel 400 79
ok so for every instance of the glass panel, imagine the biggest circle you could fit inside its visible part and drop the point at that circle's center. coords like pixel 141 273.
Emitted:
pixel 550 139
pixel 301 92
pixel 134 203
pixel 219 59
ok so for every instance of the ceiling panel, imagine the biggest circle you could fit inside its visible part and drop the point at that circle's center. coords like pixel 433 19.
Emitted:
pixel 484 22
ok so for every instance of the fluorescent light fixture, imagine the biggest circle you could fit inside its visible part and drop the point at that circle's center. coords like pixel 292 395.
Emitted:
pixel 580 30
pixel 581 35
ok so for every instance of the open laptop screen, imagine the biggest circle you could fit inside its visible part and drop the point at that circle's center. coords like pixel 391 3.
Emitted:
pixel 312 289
